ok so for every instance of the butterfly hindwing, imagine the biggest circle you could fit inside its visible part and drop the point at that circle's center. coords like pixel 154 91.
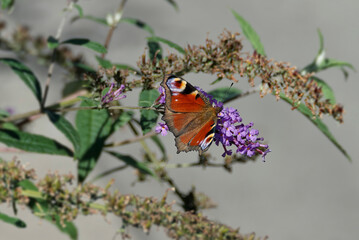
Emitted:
pixel 189 115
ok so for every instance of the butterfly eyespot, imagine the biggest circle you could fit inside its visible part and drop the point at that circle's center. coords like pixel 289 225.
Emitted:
pixel 176 84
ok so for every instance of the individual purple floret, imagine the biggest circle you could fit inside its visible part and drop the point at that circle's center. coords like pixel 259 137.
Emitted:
pixel 113 95
pixel 162 97
pixel 162 128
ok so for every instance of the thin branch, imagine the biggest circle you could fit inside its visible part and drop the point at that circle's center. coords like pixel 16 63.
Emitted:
pixel 53 57
pixel 10 150
pixel 114 25
pixel 55 108
pixel 34 114
pixel 108 172
pixel 99 107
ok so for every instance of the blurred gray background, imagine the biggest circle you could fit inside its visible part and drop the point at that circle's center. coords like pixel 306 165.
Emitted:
pixel 305 190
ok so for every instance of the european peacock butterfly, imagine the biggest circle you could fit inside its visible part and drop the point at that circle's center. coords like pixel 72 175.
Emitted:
pixel 189 115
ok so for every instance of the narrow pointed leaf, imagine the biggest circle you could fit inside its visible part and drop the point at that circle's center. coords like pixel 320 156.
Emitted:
pixel 138 23
pixel 33 143
pixel 52 42
pixel 159 144
pixel 167 42
pixel 318 123
pixel 93 126
pixel 25 74
pixel 329 63
pixel 12 220
pixel 9 125
pixel 148 117
pixel 321 43
pixel 154 50
pixel 321 63
pixel 97 47
pixel 250 33
pixel 104 63
pixel 28 185
pixel 84 67
pixel 225 94
pixel 79 9
pixel 101 21
pixel 7 4
pixel 173 3
pixel 327 91
pixel 216 81
pixel 63 125
pixel 142 167
pixel 4 113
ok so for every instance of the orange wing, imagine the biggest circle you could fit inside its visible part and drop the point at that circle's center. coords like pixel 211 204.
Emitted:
pixel 189 115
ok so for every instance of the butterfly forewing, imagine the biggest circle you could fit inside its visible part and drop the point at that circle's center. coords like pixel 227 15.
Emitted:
pixel 183 97
pixel 189 115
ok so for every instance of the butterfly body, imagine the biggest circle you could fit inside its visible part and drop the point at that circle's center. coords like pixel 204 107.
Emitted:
pixel 189 115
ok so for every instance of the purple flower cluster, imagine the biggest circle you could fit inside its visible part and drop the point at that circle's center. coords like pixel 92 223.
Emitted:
pixel 229 130
pixel 113 95
pixel 162 98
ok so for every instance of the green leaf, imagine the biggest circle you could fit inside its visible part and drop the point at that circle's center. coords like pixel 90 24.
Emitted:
pixel 4 113
pixel 142 167
pixel 52 42
pixel 138 23
pixel 84 67
pixel 93 126
pixel 159 144
pixel 90 101
pixel 7 4
pixel 8 125
pixel 12 220
pixel 148 117
pixel 25 74
pixel 97 47
pixel 321 63
pixel 216 81
pixel 28 185
pixel 123 119
pixel 173 3
pixel 104 63
pixel 318 123
pixel 327 91
pixel 69 228
pixel 250 34
pixel 329 63
pixel 33 143
pixel 79 9
pixel 225 94
pixel 96 19
pixel 64 126
pixel 321 43
pixel 154 50
pixel 168 42
pixel 101 21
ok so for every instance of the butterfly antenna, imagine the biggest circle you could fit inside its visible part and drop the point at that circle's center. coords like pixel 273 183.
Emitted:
pixel 229 88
